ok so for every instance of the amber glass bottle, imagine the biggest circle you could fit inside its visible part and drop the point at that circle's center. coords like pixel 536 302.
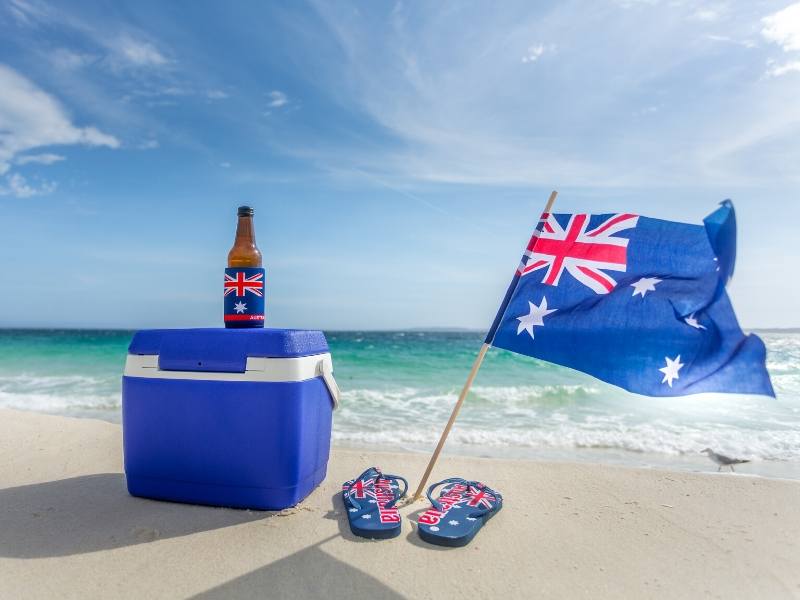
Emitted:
pixel 244 252
pixel 244 277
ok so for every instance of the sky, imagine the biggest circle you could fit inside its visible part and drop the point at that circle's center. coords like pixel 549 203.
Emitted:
pixel 397 154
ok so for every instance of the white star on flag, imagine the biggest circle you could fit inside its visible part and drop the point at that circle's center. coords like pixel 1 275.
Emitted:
pixel 535 317
pixel 671 370
pixel 453 522
pixel 353 510
pixel 366 516
pixel 434 528
pixel 240 307
pixel 644 285
pixel 692 321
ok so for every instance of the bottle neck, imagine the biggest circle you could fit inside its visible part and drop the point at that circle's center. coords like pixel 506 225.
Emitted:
pixel 244 252
pixel 245 232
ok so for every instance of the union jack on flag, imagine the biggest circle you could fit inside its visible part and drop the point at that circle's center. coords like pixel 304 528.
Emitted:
pixel 241 284
pixel 584 252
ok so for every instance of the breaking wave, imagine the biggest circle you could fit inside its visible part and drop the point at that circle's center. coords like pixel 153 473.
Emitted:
pixel 778 444
pixel 62 394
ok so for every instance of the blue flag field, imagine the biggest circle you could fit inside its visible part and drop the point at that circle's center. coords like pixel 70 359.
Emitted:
pixel 637 302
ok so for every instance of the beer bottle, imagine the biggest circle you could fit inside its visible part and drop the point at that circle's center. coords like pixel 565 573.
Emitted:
pixel 244 277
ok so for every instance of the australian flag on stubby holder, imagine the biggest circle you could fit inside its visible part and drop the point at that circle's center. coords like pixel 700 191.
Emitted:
pixel 244 297
pixel 637 302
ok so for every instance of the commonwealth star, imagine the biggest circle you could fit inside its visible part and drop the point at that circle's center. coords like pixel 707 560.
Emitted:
pixel 534 317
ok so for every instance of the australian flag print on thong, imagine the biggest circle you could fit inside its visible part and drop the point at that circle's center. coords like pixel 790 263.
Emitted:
pixel 634 301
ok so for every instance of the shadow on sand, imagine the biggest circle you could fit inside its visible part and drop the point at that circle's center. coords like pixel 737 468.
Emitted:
pixel 310 573
pixel 95 512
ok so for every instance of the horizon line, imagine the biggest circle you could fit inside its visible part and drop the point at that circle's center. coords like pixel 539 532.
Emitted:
pixel 447 329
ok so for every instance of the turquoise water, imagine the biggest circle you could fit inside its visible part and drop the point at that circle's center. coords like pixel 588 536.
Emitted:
pixel 399 387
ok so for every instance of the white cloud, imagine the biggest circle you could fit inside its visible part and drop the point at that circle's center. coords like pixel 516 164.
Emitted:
pixel 41 159
pixel 706 14
pixel 31 118
pixel 727 39
pixel 783 27
pixel 125 49
pixel 28 13
pixel 776 70
pixel 157 103
pixel 216 95
pixel 277 99
pixel 436 90
pixel 137 53
pixel 16 185
pixel 173 90
pixel 635 3
pixel 534 53
pixel 151 144
pixel 69 60
pixel 225 165
pixel 647 110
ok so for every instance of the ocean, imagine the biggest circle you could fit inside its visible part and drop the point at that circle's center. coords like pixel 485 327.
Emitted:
pixel 398 389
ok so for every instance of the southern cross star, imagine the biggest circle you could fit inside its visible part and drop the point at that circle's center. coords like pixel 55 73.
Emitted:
pixel 453 522
pixel 366 516
pixel 534 317
pixel 644 285
pixel 240 307
pixel 671 370
pixel 692 321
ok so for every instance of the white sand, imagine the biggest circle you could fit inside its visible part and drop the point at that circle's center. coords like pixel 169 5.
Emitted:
pixel 69 529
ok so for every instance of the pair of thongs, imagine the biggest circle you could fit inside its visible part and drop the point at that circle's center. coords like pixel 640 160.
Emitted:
pixel 453 519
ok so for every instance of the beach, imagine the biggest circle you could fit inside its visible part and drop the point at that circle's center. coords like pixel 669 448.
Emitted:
pixel 69 529
pixel 256 250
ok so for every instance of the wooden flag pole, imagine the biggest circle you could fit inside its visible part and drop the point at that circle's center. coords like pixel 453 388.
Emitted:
pixel 475 366
pixel 463 395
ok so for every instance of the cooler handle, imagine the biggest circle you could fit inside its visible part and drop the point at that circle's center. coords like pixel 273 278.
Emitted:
pixel 325 370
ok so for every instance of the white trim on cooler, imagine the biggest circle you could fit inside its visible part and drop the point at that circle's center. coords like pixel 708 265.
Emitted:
pixel 257 369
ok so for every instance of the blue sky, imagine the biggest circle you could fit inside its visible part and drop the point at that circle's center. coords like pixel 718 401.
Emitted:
pixel 397 153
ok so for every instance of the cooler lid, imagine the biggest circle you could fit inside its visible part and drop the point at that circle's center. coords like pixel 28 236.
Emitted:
pixel 224 350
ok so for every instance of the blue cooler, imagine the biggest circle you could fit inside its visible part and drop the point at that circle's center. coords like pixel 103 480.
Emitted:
pixel 227 417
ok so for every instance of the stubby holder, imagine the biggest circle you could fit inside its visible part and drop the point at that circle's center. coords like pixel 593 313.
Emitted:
pixel 244 297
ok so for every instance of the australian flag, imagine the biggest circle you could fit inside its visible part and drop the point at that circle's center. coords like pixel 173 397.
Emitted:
pixel 634 301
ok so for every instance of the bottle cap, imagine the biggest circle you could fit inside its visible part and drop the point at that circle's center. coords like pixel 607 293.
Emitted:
pixel 245 211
